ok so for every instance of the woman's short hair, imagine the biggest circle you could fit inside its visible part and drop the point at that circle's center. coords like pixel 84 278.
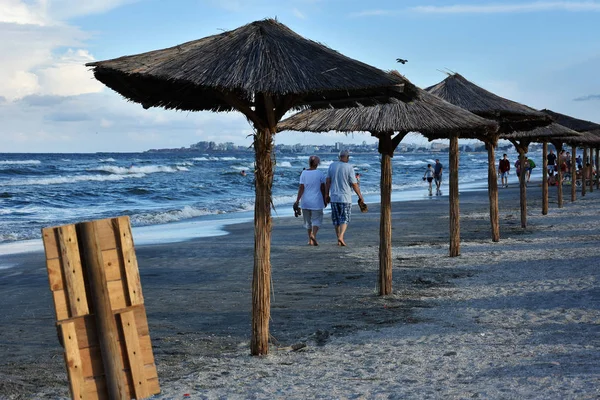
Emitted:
pixel 314 161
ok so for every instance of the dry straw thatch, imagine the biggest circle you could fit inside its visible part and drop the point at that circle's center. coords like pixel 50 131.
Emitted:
pixel 511 116
pixel 590 131
pixel 544 133
pixel 260 57
pixel 425 113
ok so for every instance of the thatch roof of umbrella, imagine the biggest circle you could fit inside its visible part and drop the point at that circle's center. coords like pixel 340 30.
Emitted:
pixel 425 113
pixel 576 124
pixel 509 114
pixel 544 133
pixel 261 57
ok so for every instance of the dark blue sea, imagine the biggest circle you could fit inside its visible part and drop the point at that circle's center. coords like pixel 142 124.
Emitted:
pixel 180 195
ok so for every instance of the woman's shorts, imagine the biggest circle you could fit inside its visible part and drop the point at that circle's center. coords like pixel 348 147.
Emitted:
pixel 312 218
pixel 340 213
pixel 429 179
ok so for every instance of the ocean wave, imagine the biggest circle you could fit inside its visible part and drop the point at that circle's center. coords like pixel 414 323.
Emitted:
pixel 19 162
pixel 110 159
pixel 227 158
pixel 59 180
pixel 164 217
pixel 149 169
pixel 413 163
pixel 284 164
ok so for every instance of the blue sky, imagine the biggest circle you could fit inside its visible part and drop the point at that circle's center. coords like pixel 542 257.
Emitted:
pixel 545 54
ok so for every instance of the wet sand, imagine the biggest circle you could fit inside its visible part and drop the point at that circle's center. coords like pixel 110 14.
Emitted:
pixel 514 319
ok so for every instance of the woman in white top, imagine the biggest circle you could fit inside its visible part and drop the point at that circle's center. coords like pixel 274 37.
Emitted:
pixel 429 176
pixel 311 194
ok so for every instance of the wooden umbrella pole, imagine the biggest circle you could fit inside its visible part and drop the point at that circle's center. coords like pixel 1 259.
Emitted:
pixel 385 227
pixel 598 168
pixel 545 178
pixel 583 171
pixel 493 189
pixel 523 188
pixel 454 202
pixel 105 319
pixel 590 169
pixel 573 173
pixel 261 279
pixel 559 188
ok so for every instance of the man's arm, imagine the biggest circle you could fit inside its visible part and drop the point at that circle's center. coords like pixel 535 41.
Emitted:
pixel 300 193
pixel 327 187
pixel 357 190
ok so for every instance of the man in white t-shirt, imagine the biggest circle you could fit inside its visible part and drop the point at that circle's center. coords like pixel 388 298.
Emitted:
pixel 311 192
pixel 340 183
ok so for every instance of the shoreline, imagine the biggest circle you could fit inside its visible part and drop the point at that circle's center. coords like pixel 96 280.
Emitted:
pixel 503 319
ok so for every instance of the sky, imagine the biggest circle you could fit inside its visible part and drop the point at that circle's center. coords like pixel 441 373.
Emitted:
pixel 545 54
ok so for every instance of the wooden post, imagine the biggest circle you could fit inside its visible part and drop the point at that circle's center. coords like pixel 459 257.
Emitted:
pixel 493 189
pixel 523 187
pixel 598 168
pixel 583 170
pixel 573 173
pixel 105 320
pixel 454 202
pixel 261 278
pixel 545 179
pixel 385 227
pixel 590 169
pixel 560 176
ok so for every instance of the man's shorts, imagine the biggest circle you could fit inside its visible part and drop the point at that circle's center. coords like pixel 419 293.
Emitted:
pixel 312 218
pixel 438 178
pixel 504 174
pixel 340 213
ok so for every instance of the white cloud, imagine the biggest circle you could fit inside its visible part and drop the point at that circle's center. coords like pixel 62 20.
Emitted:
pixel 510 8
pixel 371 13
pixel 19 12
pixel 298 13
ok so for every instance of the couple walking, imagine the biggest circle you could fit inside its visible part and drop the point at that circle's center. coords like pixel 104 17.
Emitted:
pixel 434 173
pixel 317 190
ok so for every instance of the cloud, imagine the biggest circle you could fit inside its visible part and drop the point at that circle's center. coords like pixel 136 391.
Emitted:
pixel 372 13
pixel 36 100
pixel 577 6
pixel 587 98
pixel 298 13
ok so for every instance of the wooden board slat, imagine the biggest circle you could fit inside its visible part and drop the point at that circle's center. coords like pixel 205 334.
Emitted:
pixel 106 234
pixel 72 271
pixel 49 239
pixel 60 305
pixel 134 287
pixel 116 289
pixel 134 354
pixel 112 264
pixel 73 360
pixel 54 274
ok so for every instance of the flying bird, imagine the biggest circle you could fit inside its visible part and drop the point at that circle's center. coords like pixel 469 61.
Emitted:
pixel 401 60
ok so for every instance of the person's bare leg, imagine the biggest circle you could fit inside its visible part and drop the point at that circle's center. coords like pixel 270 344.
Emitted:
pixel 310 241
pixel 313 238
pixel 342 230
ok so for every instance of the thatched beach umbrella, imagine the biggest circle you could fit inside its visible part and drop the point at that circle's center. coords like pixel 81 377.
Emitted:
pixel 578 125
pixel 262 69
pixel 426 114
pixel 543 134
pixel 511 116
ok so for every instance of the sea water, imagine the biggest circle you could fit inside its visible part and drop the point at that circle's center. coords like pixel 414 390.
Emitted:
pixel 174 196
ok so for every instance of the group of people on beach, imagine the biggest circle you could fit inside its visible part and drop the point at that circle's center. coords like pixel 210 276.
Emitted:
pixel 554 162
pixel 316 191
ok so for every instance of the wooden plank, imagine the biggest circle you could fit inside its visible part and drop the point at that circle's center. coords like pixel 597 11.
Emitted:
pixel 116 290
pixel 60 305
pixel 112 264
pixel 134 354
pixel 134 287
pixel 50 246
pixel 72 271
pixel 54 274
pixel 106 234
pixel 73 360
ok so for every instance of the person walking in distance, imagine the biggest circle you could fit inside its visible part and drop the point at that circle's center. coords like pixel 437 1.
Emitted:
pixel 504 168
pixel 437 176
pixel 311 192
pixel 428 176
pixel 551 158
pixel 339 185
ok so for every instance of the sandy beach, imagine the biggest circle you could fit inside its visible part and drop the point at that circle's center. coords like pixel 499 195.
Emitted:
pixel 518 319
